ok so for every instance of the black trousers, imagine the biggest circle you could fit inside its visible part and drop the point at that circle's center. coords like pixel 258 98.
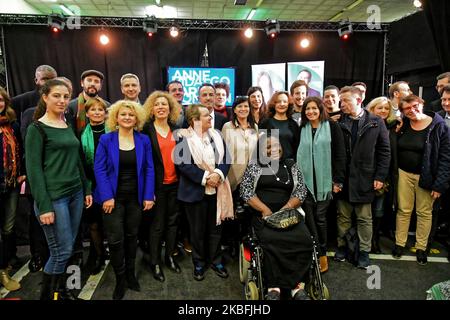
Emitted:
pixel 38 242
pixel 164 224
pixel 121 227
pixel 316 221
pixel 205 235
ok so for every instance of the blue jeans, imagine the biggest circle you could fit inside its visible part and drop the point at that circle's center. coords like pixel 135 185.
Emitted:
pixel 62 233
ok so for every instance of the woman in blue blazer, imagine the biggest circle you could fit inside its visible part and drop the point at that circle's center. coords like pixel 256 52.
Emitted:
pixel 125 185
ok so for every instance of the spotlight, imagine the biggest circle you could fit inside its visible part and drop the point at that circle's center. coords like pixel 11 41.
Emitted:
pixel 305 40
pixel 56 22
pixel 345 30
pixel 174 32
pixel 272 28
pixel 248 32
pixel 104 39
pixel 150 26
pixel 417 3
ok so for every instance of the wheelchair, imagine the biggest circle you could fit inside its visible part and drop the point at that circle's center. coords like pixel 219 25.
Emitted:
pixel 250 271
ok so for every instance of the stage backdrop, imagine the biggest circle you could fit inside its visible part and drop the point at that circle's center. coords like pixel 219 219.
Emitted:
pixel 73 51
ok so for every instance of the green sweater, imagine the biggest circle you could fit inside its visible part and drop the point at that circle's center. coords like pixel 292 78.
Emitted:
pixel 54 171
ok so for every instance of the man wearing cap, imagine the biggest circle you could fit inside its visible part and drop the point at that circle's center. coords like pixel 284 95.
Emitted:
pixel 91 82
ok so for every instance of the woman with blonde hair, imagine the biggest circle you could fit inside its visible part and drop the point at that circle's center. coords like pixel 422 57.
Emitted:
pixel 162 113
pixel 386 198
pixel 124 173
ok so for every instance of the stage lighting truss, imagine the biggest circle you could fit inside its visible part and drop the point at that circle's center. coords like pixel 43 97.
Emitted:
pixel 272 28
pixel 346 29
pixel 150 26
pixel 56 21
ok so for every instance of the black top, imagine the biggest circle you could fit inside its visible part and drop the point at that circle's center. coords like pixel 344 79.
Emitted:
pixel 127 181
pixel 286 137
pixel 97 131
pixel 410 148
pixel 275 193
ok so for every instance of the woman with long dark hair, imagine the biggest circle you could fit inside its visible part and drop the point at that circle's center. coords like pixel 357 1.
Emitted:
pixel 257 104
pixel 58 183
pixel 10 179
pixel 321 158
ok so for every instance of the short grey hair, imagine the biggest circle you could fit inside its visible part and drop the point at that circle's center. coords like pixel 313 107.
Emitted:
pixel 127 76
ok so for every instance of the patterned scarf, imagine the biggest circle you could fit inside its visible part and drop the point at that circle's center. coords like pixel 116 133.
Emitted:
pixel 11 159
pixel 81 114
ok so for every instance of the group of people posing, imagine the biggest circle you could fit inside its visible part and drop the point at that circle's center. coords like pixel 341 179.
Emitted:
pixel 117 163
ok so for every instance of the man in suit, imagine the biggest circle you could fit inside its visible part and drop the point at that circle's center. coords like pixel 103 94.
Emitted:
pixel 30 99
pixel 175 89
pixel 130 87
pixel 306 76
pixel 206 97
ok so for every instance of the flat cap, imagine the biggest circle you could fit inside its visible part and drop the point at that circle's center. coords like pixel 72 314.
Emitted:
pixel 90 73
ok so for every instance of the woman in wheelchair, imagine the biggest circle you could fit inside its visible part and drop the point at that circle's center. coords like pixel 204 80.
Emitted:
pixel 270 184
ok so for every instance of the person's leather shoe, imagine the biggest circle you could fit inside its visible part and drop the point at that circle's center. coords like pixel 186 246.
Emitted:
pixel 199 273
pixel 97 266
pixel 158 273
pixel 35 264
pixel 220 270
pixel 172 265
pixel 187 246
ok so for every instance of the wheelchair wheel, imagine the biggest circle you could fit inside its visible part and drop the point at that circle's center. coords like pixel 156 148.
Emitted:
pixel 314 291
pixel 251 291
pixel 243 265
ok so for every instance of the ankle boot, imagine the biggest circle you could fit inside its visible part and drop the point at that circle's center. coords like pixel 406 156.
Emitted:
pixel 8 283
pixel 63 292
pixel 49 286
pixel 132 282
pixel 119 290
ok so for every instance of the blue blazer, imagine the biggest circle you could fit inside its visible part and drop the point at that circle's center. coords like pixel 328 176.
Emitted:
pixel 190 187
pixel 106 167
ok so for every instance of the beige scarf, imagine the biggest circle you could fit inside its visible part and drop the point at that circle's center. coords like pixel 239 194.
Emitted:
pixel 224 197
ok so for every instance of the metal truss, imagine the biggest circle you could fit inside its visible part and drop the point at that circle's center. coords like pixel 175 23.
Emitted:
pixel 187 24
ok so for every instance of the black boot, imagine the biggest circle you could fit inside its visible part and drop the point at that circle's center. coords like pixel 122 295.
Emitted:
pixel 64 292
pixel 376 224
pixel 119 290
pixel 132 282
pixel 49 286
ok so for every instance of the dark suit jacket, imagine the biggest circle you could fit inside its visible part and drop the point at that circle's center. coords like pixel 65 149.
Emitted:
pixel 219 121
pixel 24 101
pixel 106 167
pixel 434 106
pixel 190 187
pixel 150 131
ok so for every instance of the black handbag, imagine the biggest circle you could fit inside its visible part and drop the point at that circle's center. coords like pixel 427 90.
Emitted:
pixel 283 219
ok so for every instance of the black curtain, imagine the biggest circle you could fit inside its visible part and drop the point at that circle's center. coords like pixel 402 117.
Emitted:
pixel 72 51
pixel 437 13
pixel 358 59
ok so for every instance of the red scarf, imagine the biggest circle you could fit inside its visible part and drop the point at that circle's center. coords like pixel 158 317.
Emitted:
pixel 11 159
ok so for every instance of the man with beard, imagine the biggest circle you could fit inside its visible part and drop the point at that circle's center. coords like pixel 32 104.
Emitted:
pixel 91 82
pixel 331 102
pixel 175 89
pixel 298 90
pixel 30 99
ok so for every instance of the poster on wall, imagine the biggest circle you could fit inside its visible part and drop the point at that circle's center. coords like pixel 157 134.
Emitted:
pixel 270 77
pixel 309 71
pixel 193 78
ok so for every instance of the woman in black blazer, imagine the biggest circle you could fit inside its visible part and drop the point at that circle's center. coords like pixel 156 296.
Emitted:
pixel 162 114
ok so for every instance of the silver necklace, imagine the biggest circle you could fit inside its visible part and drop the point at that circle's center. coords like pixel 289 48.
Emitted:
pixel 277 178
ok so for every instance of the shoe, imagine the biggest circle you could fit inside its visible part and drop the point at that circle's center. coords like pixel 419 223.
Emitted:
pixel 220 270
pixel 158 273
pixel 273 295
pixel 301 295
pixel 340 254
pixel 97 266
pixel 363 260
pixel 132 282
pixel 421 256
pixel 8 283
pixel 120 288
pixel 172 265
pixel 323 262
pixel 397 252
pixel 35 264
pixel 187 246
pixel 199 273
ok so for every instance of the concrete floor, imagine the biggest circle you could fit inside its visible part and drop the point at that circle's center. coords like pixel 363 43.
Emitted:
pixel 399 280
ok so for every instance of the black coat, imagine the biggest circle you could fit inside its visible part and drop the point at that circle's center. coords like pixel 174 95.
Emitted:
pixel 267 124
pixel 435 174
pixel 24 101
pixel 158 165
pixel 369 159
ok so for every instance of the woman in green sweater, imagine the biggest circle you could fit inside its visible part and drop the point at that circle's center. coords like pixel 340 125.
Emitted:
pixel 57 182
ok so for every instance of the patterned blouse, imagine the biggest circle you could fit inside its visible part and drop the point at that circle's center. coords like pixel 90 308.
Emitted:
pixel 253 173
